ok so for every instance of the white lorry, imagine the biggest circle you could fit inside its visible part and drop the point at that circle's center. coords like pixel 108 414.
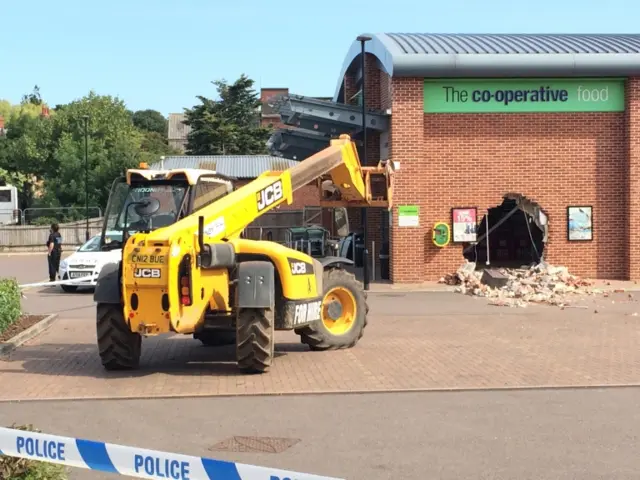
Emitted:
pixel 9 205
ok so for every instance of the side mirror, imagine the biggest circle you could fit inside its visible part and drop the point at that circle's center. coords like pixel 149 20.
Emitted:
pixel 147 206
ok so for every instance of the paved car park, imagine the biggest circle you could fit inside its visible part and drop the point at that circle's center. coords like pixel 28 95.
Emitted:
pixel 415 341
pixel 586 434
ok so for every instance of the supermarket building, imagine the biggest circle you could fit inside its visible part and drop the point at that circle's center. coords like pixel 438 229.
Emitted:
pixel 534 139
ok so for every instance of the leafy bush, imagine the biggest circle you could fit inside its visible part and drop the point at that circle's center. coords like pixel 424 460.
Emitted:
pixel 43 221
pixel 13 468
pixel 9 303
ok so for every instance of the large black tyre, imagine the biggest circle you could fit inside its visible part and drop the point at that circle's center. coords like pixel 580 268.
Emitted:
pixel 255 342
pixel 318 336
pixel 216 338
pixel 119 347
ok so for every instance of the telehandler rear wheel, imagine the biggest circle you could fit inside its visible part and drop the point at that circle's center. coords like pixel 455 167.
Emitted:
pixel 343 316
pixel 255 343
pixel 119 347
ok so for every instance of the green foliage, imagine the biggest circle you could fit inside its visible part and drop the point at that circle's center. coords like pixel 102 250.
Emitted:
pixel 13 468
pixel 44 155
pixel 151 121
pixel 10 309
pixel 230 125
pixel 34 98
pixel 14 178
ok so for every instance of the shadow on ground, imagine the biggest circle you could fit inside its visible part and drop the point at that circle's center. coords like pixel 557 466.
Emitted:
pixel 159 355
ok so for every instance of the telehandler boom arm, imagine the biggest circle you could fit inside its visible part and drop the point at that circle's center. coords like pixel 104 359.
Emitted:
pixel 198 276
pixel 350 182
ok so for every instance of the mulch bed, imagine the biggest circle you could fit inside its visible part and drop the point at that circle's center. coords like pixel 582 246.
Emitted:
pixel 24 322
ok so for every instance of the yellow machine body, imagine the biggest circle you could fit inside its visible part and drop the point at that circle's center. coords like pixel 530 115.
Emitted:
pixel 177 276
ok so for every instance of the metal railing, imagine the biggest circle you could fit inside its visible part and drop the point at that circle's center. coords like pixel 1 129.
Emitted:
pixel 48 215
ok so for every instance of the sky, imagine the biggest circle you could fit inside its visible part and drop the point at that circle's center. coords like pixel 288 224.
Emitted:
pixel 161 54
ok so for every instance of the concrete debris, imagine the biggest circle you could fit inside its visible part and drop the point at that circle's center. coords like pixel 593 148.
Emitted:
pixel 543 283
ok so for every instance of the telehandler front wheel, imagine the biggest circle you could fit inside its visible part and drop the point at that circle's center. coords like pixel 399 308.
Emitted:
pixel 343 315
pixel 255 342
pixel 119 347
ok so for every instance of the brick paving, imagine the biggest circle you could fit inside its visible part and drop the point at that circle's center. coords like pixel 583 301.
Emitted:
pixel 414 341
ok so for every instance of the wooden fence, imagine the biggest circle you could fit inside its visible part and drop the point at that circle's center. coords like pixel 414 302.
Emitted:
pixel 271 226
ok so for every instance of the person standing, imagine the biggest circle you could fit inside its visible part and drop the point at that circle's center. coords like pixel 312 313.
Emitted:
pixel 54 247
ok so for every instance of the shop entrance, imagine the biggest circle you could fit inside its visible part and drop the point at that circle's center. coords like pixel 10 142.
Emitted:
pixel 517 234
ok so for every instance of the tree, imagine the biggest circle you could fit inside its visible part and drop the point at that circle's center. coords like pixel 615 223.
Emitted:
pixel 150 121
pixel 154 128
pixel 230 125
pixel 114 146
pixel 34 98
pixel 26 152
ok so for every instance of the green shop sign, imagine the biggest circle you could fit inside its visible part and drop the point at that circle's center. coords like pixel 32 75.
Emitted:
pixel 524 95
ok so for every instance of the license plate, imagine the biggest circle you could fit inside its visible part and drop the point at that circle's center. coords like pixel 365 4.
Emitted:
pixel 79 274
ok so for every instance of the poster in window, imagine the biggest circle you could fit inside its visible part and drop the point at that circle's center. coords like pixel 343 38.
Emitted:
pixel 580 224
pixel 464 224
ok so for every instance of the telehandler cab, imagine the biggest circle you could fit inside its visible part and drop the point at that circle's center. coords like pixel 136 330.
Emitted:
pixel 185 268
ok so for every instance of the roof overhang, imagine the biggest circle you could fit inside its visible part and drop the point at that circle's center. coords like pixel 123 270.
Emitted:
pixel 314 122
pixel 297 144
pixel 398 62
pixel 327 116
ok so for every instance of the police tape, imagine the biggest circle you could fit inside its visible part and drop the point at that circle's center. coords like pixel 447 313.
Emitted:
pixel 132 461
pixel 77 281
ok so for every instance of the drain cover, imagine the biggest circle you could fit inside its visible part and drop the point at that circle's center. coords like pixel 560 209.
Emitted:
pixel 255 444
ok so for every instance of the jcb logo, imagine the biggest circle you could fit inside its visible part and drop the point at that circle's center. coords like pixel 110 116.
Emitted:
pixel 298 268
pixel 146 273
pixel 269 195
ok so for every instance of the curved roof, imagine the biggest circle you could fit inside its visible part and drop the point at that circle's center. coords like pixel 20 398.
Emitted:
pixel 499 55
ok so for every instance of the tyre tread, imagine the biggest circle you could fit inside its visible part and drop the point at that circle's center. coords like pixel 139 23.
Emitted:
pixel 119 348
pixel 255 340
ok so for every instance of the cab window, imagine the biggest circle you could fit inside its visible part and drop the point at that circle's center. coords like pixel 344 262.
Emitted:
pixel 208 190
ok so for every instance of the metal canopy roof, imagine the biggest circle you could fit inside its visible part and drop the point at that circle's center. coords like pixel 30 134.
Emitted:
pixel 499 55
pixel 315 121
pixel 237 166
pixel 326 116
pixel 297 144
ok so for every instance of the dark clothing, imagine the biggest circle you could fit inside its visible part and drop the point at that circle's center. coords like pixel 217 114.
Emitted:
pixel 54 264
pixel 54 257
pixel 56 239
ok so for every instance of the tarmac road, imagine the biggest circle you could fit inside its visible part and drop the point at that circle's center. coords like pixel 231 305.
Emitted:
pixel 537 434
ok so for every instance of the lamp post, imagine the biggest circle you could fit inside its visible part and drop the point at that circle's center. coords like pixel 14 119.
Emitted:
pixel 363 211
pixel 86 173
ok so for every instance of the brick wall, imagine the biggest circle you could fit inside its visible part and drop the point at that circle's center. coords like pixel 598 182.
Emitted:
pixel 412 186
pixel 556 160
pixel 269 117
pixel 632 233
pixel 375 96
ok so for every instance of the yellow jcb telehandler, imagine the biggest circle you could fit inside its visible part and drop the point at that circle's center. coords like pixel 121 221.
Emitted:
pixel 186 269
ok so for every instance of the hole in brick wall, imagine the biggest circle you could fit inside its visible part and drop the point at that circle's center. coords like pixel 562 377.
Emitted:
pixel 517 234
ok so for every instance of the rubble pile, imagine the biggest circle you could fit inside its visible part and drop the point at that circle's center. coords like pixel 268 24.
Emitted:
pixel 542 283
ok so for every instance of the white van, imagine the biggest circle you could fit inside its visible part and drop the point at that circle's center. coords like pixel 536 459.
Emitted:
pixel 8 205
